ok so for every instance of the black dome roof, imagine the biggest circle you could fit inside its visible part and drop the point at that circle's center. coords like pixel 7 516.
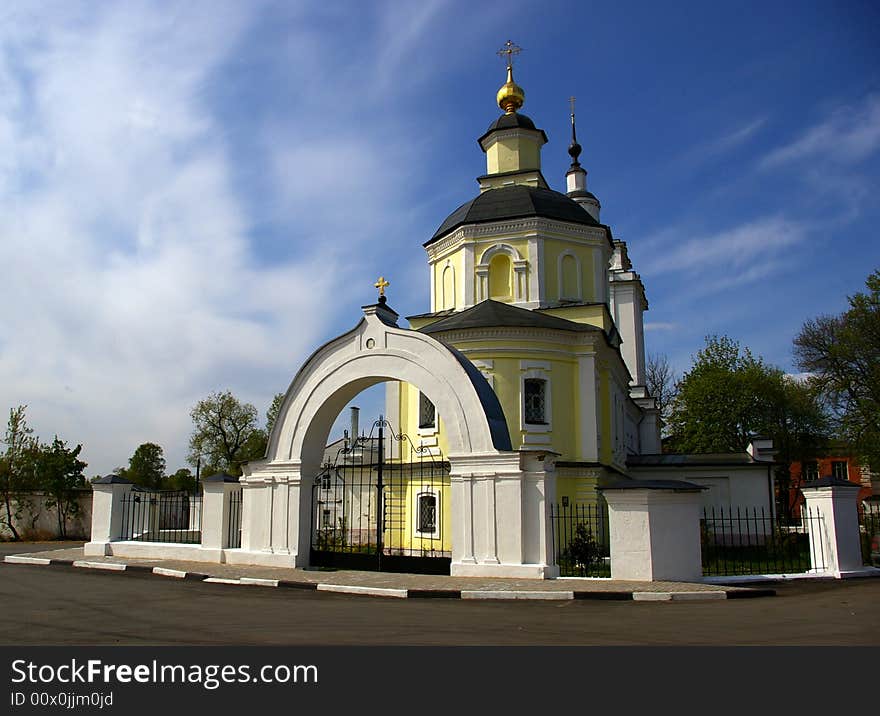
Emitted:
pixel 513 202
pixel 509 121
pixel 513 120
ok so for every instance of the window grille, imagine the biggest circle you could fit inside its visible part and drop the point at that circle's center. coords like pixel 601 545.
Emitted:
pixel 427 412
pixel 427 514
pixel 535 401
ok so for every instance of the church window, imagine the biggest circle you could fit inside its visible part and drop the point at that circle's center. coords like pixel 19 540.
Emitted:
pixel 448 288
pixel 326 522
pixel 838 470
pixel 426 519
pixel 535 401
pixel 500 278
pixel 427 412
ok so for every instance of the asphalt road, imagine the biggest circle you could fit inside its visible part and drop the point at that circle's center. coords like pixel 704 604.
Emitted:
pixel 62 605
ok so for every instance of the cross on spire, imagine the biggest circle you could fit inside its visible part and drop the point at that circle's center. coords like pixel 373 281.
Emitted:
pixel 510 50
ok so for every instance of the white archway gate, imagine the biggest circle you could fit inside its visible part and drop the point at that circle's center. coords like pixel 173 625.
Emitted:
pixel 500 498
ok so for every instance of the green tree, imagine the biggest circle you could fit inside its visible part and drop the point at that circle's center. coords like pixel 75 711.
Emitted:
pixel 661 383
pixel 272 412
pixel 729 397
pixel 225 433
pixel 182 479
pixel 16 466
pixel 720 403
pixel 146 467
pixel 842 354
pixel 59 471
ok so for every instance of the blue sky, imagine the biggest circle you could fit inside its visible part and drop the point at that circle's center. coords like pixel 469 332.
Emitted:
pixel 196 195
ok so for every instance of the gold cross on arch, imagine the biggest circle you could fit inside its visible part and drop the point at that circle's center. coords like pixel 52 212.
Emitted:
pixel 381 284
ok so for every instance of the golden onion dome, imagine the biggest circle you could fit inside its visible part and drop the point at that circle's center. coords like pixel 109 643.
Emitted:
pixel 511 96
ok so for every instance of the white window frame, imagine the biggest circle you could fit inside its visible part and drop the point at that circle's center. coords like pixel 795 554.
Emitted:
pixel 538 370
pixel 432 492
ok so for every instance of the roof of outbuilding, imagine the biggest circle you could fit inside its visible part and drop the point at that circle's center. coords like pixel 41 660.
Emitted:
pixel 513 202
pixel 693 460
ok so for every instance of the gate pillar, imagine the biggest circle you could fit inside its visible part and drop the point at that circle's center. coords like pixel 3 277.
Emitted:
pixel 275 516
pixel 837 539
pixel 501 514
pixel 107 508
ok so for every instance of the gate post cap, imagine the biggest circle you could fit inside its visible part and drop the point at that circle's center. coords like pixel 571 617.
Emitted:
pixel 112 480
pixel 830 482
pixel 220 477
pixel 676 485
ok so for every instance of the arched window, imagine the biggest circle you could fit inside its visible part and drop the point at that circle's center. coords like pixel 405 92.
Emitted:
pixel 448 287
pixel 569 287
pixel 500 278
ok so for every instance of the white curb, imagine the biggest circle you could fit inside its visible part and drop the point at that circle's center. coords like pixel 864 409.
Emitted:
pixel 258 582
pixel 109 566
pixel 222 580
pixel 510 594
pixel 165 572
pixel 677 596
pixel 21 559
pixel 374 591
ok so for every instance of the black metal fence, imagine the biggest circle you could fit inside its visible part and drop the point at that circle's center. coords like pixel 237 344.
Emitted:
pixel 869 531
pixel 162 516
pixel 743 541
pixel 581 545
pixel 233 534
pixel 383 503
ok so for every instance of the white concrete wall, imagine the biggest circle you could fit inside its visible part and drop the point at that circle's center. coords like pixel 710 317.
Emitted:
pixel 46 524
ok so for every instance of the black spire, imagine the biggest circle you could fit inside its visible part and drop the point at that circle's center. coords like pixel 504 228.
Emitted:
pixel 574 149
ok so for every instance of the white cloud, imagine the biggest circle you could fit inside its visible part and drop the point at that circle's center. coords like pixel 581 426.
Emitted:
pixel 723 144
pixel 849 135
pixel 134 281
pixel 741 251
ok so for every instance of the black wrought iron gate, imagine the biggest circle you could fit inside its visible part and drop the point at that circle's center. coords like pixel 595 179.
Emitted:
pixel 382 503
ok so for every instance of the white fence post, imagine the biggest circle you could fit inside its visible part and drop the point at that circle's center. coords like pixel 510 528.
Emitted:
pixel 654 530
pixel 215 510
pixel 833 502
pixel 107 509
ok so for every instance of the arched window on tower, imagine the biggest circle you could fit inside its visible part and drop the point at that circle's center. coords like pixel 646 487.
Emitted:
pixel 448 287
pixel 569 288
pixel 500 271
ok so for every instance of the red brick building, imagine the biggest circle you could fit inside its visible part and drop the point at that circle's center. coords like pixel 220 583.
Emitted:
pixel 837 464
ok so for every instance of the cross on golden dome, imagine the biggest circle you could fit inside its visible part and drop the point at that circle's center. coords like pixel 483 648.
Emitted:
pixel 381 284
pixel 510 50
pixel 511 96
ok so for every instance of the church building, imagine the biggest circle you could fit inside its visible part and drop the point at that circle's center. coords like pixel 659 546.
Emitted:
pixel 532 288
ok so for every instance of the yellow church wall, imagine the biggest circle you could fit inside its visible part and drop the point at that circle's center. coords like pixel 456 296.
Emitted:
pixel 444 280
pixel 585 255
pixel 607 449
pixel 593 315
pixel 512 154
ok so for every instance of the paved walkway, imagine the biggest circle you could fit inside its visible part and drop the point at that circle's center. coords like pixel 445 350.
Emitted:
pixel 389 584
